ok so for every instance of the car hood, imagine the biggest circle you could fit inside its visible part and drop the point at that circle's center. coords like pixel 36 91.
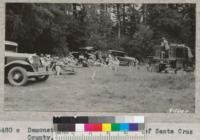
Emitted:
pixel 14 54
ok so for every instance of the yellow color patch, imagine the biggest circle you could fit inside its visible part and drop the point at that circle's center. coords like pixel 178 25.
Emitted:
pixel 106 127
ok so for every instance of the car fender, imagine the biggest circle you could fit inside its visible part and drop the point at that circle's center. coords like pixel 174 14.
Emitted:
pixel 22 63
pixel 18 62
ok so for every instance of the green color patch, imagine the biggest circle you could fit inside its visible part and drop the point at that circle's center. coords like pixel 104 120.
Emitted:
pixel 115 127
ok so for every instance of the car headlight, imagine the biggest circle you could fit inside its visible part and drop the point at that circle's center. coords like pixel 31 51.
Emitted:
pixel 30 59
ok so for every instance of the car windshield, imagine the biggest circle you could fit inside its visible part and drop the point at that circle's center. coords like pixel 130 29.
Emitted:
pixel 11 48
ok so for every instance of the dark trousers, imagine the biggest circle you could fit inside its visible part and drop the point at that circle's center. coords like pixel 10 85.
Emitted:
pixel 166 53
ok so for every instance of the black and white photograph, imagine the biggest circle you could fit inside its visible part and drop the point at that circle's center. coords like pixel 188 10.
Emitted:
pixel 100 57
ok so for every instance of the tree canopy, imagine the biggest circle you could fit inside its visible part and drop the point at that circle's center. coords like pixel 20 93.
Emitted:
pixel 133 28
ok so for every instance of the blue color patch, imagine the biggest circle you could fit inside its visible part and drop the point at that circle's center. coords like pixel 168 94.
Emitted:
pixel 124 127
pixel 133 127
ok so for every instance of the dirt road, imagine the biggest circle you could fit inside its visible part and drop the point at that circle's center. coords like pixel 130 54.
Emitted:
pixel 101 89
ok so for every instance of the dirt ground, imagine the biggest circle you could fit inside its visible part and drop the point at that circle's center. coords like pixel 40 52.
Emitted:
pixel 102 89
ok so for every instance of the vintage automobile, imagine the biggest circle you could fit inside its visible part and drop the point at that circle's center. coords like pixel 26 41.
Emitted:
pixel 86 51
pixel 19 67
pixel 123 58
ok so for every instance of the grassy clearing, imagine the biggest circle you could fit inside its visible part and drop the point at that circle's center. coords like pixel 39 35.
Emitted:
pixel 121 91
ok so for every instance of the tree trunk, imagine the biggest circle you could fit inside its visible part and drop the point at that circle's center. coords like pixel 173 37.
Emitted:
pixel 74 10
pixel 124 18
pixel 118 21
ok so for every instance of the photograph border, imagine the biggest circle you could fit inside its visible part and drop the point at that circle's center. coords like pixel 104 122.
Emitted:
pixel 151 117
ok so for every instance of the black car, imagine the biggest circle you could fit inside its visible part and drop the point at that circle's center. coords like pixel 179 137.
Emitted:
pixel 21 66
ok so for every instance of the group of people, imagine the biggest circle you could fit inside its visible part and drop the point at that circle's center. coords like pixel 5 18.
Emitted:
pixel 58 65
pixel 62 65
pixel 96 59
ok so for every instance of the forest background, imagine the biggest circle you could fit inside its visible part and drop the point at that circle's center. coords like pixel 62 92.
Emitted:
pixel 53 28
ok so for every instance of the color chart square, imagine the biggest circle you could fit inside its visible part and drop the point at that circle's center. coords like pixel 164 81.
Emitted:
pixel 70 127
pixel 133 127
pixel 120 119
pixel 129 119
pixel 97 127
pixel 141 126
pixel 88 127
pixel 115 127
pixel 138 119
pixel 106 127
pixel 124 127
pixel 79 127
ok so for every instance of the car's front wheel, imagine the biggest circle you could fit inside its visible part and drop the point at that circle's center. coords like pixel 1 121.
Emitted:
pixel 17 76
pixel 42 78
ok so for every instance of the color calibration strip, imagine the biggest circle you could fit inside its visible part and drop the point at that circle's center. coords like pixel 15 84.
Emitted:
pixel 99 124
pixel 99 128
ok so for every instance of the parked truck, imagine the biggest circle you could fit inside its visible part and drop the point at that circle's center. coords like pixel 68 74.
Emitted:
pixel 179 58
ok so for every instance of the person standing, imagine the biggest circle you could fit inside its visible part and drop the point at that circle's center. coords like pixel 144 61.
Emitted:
pixel 116 63
pixel 81 58
pixel 165 44
pixel 58 67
